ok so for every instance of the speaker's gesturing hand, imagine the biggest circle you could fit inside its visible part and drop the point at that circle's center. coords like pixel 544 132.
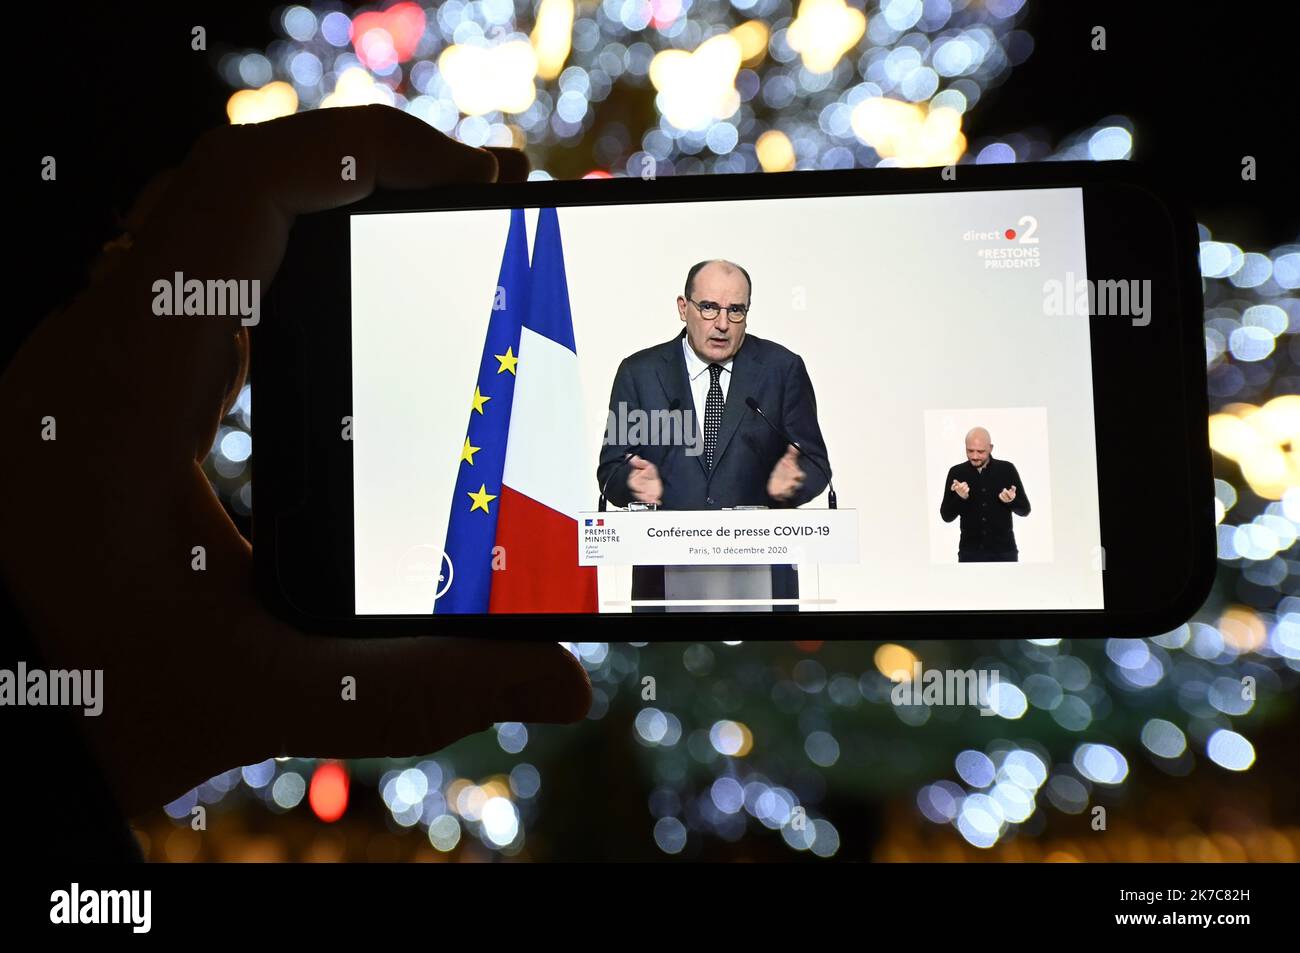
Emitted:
pixel 643 481
pixel 787 477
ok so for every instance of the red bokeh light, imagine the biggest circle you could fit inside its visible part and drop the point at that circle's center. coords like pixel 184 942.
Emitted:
pixel 379 35
pixel 328 794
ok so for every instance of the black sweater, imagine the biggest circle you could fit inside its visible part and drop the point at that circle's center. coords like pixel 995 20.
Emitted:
pixel 985 520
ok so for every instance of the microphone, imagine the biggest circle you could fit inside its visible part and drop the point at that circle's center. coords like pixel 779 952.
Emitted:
pixel 600 507
pixel 830 496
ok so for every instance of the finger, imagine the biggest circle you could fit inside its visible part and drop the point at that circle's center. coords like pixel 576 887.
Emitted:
pixel 512 164
pixel 637 463
pixel 392 150
pixel 112 252
pixel 147 201
pixel 237 375
pixel 229 208
pixel 413 695
pixel 226 216
pixel 240 373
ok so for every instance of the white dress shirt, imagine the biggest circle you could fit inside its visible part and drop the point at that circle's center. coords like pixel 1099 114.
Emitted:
pixel 697 369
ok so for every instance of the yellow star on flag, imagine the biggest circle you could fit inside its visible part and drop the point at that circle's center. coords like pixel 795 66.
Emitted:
pixel 467 453
pixel 479 400
pixel 481 499
pixel 508 361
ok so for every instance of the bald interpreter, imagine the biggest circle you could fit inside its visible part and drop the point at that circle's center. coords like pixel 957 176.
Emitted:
pixel 984 492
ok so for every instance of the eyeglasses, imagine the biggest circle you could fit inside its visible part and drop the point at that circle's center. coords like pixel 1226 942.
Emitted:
pixel 709 310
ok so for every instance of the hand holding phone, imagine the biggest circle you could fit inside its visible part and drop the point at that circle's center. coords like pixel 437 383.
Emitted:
pixel 119 554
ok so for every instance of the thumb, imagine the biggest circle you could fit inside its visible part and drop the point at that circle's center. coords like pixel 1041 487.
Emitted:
pixel 637 463
pixel 414 695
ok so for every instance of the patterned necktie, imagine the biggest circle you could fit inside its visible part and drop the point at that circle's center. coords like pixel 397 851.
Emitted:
pixel 712 415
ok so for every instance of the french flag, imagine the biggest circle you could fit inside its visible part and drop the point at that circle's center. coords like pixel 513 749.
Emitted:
pixel 545 472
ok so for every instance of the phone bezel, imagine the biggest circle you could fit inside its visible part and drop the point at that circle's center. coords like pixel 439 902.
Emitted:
pixel 1134 227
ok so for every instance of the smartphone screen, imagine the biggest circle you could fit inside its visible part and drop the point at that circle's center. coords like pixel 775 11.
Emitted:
pixel 646 407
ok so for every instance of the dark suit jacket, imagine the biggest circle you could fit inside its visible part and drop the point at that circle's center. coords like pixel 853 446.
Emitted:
pixel 748 449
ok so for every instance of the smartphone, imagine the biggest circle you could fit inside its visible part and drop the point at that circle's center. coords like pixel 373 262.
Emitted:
pixel 903 403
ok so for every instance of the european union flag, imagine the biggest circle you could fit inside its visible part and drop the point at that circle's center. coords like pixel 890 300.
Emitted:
pixel 472 528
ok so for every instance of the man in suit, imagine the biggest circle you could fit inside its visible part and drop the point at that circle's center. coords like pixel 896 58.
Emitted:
pixel 708 371
pixel 984 492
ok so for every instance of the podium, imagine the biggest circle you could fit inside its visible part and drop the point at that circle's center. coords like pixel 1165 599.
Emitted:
pixel 719 560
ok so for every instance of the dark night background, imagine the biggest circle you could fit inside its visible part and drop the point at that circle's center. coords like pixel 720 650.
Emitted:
pixel 127 96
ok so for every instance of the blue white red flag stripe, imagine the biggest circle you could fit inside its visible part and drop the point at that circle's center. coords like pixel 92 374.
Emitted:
pixel 547 466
